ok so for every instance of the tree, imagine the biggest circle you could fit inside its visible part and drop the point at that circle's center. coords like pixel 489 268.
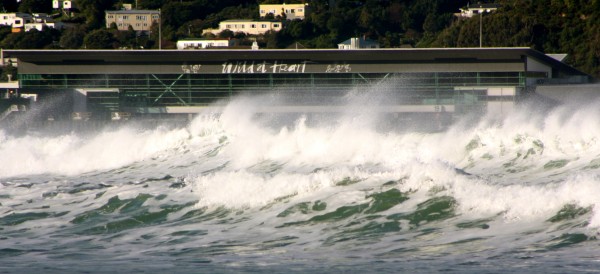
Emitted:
pixel 126 39
pixel 94 11
pixel 5 31
pixel 10 5
pixel 225 34
pixel 8 70
pixel 175 14
pixel 35 6
pixel 99 39
pixel 150 4
pixel 32 39
pixel 324 41
pixel 72 38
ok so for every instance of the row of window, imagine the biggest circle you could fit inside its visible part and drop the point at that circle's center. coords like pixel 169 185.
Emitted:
pixel 137 17
pixel 286 11
pixel 253 26
pixel 127 25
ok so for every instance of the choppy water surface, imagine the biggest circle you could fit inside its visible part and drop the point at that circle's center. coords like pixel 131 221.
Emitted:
pixel 244 193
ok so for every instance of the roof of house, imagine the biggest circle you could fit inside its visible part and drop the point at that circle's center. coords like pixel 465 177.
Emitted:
pixel 482 6
pixel 132 11
pixel 249 20
pixel 284 4
pixel 202 39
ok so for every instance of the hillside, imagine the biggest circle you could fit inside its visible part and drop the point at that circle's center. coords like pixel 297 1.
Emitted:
pixel 551 26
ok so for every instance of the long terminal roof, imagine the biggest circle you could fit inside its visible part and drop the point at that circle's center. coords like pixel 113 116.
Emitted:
pixel 384 56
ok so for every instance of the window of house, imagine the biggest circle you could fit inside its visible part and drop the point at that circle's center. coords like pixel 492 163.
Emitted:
pixel 253 26
pixel 299 10
pixel 262 11
pixel 275 25
pixel 264 26
pixel 17 21
pixel 227 26
pixel 125 17
pixel 293 10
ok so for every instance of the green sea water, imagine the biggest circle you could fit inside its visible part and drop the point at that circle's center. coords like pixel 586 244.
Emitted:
pixel 235 193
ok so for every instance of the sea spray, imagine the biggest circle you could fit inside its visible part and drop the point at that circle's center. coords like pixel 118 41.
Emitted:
pixel 248 191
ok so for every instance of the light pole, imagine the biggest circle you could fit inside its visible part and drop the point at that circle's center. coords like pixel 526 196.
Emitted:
pixel 481 26
pixel 480 29
pixel 159 30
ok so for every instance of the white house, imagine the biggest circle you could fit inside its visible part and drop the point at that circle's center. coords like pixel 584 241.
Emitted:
pixel 475 9
pixel 291 11
pixel 62 4
pixel 198 43
pixel 41 20
pixel 40 26
pixel 358 43
pixel 246 26
pixel 16 19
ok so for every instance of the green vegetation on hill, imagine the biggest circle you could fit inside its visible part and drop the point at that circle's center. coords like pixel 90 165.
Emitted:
pixel 551 26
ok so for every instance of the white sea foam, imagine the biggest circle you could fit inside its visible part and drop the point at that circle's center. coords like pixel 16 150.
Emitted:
pixel 525 166
pixel 75 154
pixel 509 161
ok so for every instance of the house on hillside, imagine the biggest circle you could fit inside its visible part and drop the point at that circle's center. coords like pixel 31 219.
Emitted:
pixel 16 19
pixel 41 20
pixel 290 11
pixel 139 20
pixel 246 26
pixel 475 9
pixel 199 43
pixel 358 43
pixel 40 26
pixel 62 4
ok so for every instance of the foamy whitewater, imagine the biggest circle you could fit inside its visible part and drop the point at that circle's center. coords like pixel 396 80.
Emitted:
pixel 239 192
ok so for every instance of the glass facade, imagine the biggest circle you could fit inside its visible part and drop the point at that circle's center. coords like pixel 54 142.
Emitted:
pixel 162 90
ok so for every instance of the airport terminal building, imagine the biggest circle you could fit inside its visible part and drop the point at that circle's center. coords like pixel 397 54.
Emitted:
pixel 109 84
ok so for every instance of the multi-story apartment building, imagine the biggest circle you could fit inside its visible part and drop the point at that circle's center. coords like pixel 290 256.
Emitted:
pixel 139 20
pixel 291 11
pixel 246 26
